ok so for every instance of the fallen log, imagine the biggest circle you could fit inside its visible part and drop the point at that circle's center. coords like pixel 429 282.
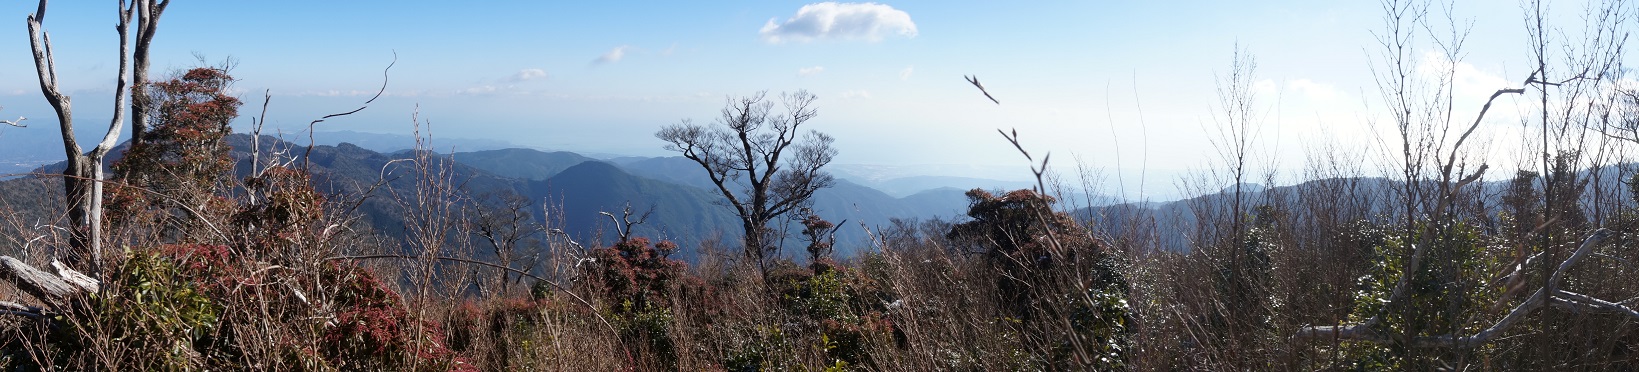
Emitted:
pixel 57 292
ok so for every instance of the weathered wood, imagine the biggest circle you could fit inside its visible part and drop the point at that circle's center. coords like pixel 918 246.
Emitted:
pixel 56 291
pixel 76 278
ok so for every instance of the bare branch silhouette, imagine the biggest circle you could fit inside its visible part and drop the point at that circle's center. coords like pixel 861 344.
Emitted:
pixel 975 81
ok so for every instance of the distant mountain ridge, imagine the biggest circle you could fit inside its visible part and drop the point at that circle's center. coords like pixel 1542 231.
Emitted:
pixel 1358 198
pixel 906 186
pixel 857 205
pixel 392 143
pixel 687 207
pixel 528 164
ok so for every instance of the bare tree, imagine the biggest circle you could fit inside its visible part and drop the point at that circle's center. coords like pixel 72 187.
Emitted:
pixel 84 171
pixel 1437 171
pixel 1421 110
pixel 625 224
pixel 503 220
pixel 1236 265
pixel 1237 129
pixel 757 160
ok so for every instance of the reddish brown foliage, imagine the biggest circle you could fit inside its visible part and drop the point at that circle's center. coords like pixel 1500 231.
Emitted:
pixel 372 324
pixel 634 271
pixel 179 167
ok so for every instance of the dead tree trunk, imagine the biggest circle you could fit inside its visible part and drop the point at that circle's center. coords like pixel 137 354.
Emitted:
pixel 60 292
pixel 63 291
pixel 82 177
pixel 147 17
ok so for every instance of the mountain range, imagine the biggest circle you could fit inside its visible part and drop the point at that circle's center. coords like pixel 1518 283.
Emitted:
pixel 570 190
pixel 567 189
pixel 687 206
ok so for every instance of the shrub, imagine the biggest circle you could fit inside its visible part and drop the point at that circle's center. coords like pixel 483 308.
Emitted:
pixel 1447 295
pixel 373 331
pixel 1050 271
pixel 634 271
pixel 181 167
pixel 157 307
pixel 639 281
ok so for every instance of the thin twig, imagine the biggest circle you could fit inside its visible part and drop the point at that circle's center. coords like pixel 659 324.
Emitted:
pixel 366 104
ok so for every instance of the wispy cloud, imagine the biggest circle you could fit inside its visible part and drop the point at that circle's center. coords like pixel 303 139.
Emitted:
pixel 844 21
pixel 1265 88
pixel 511 84
pixel 527 75
pixel 810 71
pixel 613 56
pixel 856 94
pixel 358 93
pixel 906 73
pixel 478 90
pixel 669 50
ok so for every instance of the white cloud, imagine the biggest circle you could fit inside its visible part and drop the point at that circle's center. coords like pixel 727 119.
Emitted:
pixel 906 73
pixel 669 50
pixel 1466 79
pixel 1471 87
pixel 856 94
pixel 528 74
pixel 1264 88
pixel 810 71
pixel 1313 91
pixel 613 56
pixel 847 21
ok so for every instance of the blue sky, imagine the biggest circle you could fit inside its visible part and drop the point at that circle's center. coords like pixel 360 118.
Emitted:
pixel 1118 84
